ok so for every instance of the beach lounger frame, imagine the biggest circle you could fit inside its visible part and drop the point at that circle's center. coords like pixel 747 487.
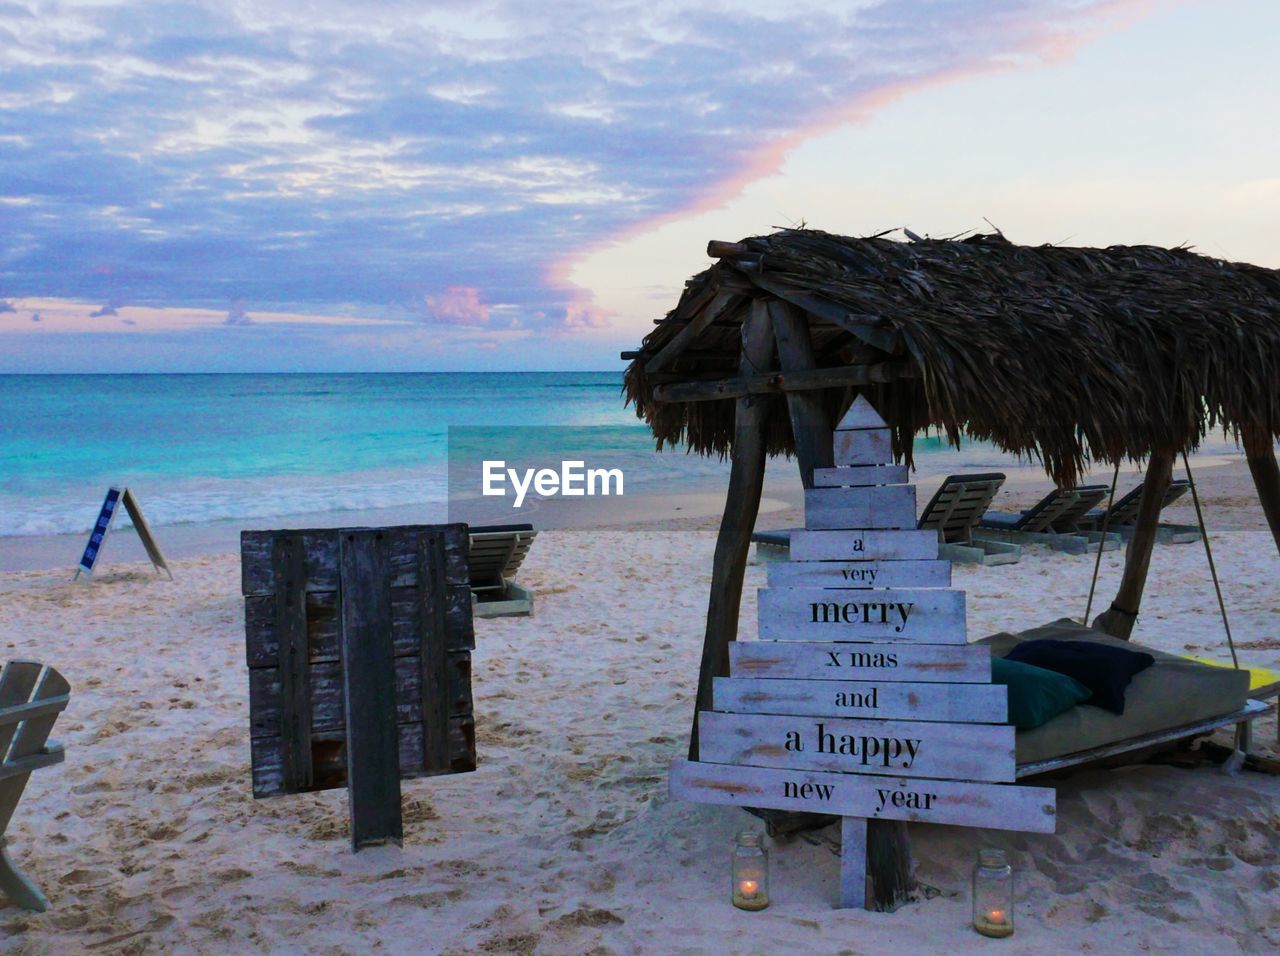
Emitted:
pixel 954 511
pixel 496 553
pixel 1124 515
pixel 1053 521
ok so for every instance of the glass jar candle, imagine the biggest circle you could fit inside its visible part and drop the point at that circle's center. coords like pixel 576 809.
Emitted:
pixel 993 894
pixel 750 888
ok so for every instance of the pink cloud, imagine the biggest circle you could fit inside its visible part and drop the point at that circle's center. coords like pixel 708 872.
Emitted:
pixel 459 305
pixel 580 316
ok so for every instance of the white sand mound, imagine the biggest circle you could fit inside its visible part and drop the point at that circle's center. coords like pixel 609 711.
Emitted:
pixel 147 839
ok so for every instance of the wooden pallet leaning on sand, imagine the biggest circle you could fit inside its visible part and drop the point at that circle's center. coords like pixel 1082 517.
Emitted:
pixel 31 697
pixel 862 697
pixel 359 645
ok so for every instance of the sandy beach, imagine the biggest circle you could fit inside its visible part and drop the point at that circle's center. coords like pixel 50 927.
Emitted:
pixel 147 839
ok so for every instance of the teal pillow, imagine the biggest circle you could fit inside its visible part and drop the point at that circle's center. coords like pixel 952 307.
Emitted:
pixel 1036 695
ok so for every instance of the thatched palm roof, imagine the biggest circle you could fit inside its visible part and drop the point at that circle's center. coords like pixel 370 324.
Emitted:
pixel 1063 354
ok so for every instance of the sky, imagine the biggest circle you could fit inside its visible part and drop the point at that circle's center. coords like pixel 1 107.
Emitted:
pixel 323 186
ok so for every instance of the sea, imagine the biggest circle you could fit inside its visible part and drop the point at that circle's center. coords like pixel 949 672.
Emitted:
pixel 197 449
pixel 244 449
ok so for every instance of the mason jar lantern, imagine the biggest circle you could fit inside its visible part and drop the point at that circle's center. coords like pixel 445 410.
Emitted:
pixel 750 887
pixel 993 894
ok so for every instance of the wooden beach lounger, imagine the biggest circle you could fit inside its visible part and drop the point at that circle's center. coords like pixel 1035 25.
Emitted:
pixel 954 511
pixel 1124 515
pixel 1053 521
pixel 496 553
pixel 31 697
pixel 1174 699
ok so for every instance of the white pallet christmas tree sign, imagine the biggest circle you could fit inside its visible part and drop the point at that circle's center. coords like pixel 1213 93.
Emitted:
pixel 862 697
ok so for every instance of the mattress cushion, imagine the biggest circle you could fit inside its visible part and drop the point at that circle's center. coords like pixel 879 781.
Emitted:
pixel 1170 693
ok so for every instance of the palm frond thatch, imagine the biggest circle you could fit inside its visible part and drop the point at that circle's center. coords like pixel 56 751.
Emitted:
pixel 1068 355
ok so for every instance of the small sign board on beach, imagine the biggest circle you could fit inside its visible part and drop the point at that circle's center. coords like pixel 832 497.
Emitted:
pixel 117 498
pixel 862 697
pixel 359 645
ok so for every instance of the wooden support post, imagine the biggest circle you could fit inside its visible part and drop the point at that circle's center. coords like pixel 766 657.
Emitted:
pixel 288 569
pixel 1266 478
pixel 733 544
pixel 369 689
pixel 854 885
pixel 891 876
pixel 1118 620
pixel 810 425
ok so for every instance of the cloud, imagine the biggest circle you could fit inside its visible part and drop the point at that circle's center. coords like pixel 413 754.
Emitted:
pixel 458 305
pixel 107 309
pixel 6 306
pixel 308 158
pixel 236 315
pixel 35 317
pixel 584 316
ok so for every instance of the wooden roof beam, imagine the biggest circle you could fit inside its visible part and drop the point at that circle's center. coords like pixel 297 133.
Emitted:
pixel 720 305
pixel 782 382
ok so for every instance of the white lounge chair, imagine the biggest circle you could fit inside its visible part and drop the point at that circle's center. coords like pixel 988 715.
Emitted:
pixel 496 553
pixel 954 511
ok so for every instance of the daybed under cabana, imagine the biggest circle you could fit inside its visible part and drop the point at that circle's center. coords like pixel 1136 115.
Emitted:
pixel 1065 355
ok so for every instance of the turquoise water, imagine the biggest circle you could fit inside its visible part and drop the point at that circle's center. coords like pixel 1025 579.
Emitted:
pixel 199 448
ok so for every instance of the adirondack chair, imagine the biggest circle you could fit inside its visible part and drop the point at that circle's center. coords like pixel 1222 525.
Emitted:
pixel 31 697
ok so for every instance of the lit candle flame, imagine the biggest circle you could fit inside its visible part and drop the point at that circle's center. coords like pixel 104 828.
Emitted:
pixel 748 888
pixel 996 916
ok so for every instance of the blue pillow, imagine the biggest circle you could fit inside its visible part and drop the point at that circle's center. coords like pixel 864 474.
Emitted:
pixel 1104 669
pixel 1036 695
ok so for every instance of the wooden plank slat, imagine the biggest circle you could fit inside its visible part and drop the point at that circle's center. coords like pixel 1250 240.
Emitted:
pixel 863 545
pixel 373 760
pixel 143 529
pixel 962 663
pixel 854 476
pixel 262 650
pixel 865 446
pixel 908 700
pixel 287 564
pixel 957 803
pixel 434 659
pixel 16 683
pixel 913 748
pixel 320 562
pixel 859 574
pixel 918 615
pixel 326 694
pixel 331 756
pixel 891 506
pixel 34 731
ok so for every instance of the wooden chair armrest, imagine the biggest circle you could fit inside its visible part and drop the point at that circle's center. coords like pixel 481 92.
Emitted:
pixel 51 754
